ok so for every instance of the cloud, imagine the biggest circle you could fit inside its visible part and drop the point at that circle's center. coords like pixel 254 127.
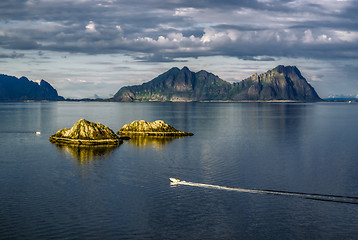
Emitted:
pixel 155 31
pixel 91 27
pixel 157 58
pixel 260 59
pixel 14 54
pixel 118 27
pixel 308 37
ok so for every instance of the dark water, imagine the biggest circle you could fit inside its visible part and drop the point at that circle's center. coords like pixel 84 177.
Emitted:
pixel 61 192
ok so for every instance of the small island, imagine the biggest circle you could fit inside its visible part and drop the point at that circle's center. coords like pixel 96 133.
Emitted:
pixel 86 133
pixel 156 128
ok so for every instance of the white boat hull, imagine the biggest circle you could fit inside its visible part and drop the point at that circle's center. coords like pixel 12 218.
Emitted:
pixel 174 180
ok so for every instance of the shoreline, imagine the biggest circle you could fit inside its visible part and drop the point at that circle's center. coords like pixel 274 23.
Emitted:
pixel 112 142
pixel 153 134
pixel 186 101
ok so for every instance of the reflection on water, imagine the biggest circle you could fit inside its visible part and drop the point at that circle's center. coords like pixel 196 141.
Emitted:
pixel 86 154
pixel 156 142
pixel 281 120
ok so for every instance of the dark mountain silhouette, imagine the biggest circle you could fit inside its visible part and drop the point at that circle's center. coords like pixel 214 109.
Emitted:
pixel 22 89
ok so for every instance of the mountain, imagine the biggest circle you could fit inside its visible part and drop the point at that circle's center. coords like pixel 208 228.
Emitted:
pixel 280 83
pixel 21 89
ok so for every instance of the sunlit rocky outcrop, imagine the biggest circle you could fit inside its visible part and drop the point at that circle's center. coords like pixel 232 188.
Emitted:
pixel 156 128
pixel 86 133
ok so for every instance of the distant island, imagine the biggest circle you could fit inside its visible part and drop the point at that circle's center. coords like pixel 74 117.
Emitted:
pixel 22 89
pixel 283 83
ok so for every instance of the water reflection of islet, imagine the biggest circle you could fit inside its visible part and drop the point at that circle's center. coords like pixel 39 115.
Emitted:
pixel 157 142
pixel 86 154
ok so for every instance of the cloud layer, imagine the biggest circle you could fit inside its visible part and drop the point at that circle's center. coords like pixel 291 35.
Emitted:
pixel 154 30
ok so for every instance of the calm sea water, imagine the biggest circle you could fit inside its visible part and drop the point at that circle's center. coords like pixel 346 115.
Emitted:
pixel 59 192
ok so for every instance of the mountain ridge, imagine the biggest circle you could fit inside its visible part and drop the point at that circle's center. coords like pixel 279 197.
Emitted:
pixel 280 83
pixel 22 89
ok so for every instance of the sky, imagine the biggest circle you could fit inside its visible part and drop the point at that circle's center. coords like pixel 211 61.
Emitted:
pixel 92 48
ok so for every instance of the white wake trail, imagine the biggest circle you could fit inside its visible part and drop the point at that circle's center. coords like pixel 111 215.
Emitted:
pixel 313 196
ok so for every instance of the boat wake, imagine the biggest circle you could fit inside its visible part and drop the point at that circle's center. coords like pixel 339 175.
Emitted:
pixel 312 196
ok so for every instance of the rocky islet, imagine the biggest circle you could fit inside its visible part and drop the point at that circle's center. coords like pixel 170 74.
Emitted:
pixel 85 132
pixel 156 128
pixel 88 133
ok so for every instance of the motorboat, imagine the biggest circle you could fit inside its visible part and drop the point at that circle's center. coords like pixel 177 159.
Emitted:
pixel 174 180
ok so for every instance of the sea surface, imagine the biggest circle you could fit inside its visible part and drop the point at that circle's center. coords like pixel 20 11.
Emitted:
pixel 65 192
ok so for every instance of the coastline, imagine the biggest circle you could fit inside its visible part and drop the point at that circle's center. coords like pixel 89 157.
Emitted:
pixel 59 140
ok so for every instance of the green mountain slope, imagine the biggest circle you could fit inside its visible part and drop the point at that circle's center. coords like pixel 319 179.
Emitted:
pixel 280 83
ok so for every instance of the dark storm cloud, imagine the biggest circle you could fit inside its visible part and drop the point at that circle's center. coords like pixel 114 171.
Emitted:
pixel 14 54
pixel 262 59
pixel 157 58
pixel 242 27
pixel 165 31
pixel 19 43
pixel 346 25
pixel 278 5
